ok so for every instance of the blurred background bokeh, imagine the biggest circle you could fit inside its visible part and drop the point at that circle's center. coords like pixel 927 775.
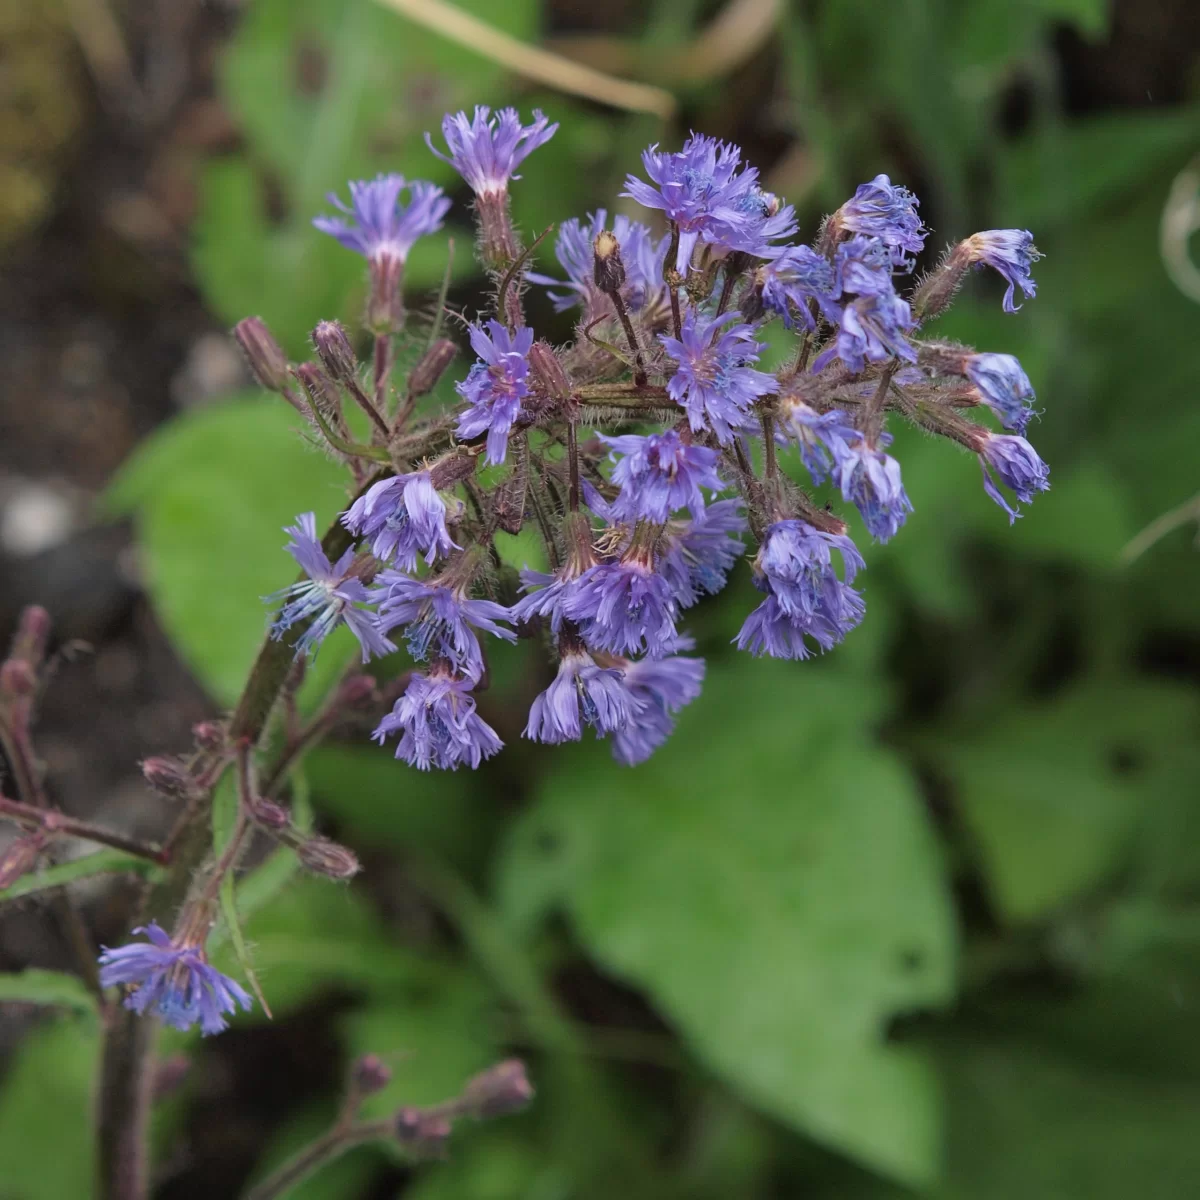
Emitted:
pixel 919 918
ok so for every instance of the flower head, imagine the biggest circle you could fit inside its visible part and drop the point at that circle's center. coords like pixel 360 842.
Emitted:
pixel 1019 467
pixel 624 606
pixel 1012 253
pixel 863 266
pixel 822 437
pixel 661 687
pixel 380 226
pixel 495 386
pixel 872 330
pixel 793 278
pixel 582 693
pixel 696 558
pixel 438 724
pixel 440 621
pixel 329 597
pixel 486 150
pixel 1004 387
pixel 659 474
pixel 172 980
pixel 402 517
pixel 870 479
pixel 886 211
pixel 715 382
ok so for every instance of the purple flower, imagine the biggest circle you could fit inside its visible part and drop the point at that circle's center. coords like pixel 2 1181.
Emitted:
pixel 380 225
pixel 888 212
pixel 863 266
pixel 486 150
pixel 440 728
pixel 661 687
pixel 659 474
pixel 696 559
pixel 624 606
pixel 402 516
pixel 822 437
pixel 872 330
pixel 871 480
pixel 805 596
pixel 796 276
pixel 1012 253
pixel 582 693
pixel 714 382
pixel 495 387
pixel 1018 465
pixel 441 621
pixel 1004 387
pixel 328 597
pixel 174 981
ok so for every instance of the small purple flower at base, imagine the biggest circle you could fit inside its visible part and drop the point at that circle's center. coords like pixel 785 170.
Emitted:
pixel 625 607
pixel 823 438
pixel 582 693
pixel 662 687
pixel 495 387
pixel 1004 387
pixel 1009 251
pixel 328 598
pixel 887 211
pixel 870 479
pixel 660 474
pixel 380 226
pixel 439 725
pixel 872 330
pixel 402 517
pixel 1019 467
pixel 696 558
pixel 440 621
pixel 486 150
pixel 715 383
pixel 173 981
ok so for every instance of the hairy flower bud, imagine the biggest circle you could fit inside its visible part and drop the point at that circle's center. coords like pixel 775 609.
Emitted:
pixel 168 777
pixel 607 268
pixel 323 857
pixel 264 355
pixel 209 735
pixel 420 1132
pixel 502 1089
pixel 550 380
pixel 270 815
pixel 431 366
pixel 335 352
pixel 370 1074
pixel 20 857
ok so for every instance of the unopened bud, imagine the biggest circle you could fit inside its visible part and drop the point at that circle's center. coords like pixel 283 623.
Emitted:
pixel 264 355
pixel 209 735
pixel 370 1075
pixel 607 267
pixel 421 1133
pixel 550 379
pixel 323 857
pixel 335 352
pixel 452 469
pixel 431 366
pixel 168 777
pixel 17 678
pixel 270 815
pixel 502 1089
pixel 320 389
pixel 936 291
pixel 357 693
pixel 20 857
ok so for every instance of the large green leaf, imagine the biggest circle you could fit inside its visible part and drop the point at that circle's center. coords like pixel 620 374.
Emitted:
pixel 769 878
pixel 51 988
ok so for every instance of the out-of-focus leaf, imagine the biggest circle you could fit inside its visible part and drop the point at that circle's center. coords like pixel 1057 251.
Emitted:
pixel 51 988
pixel 211 492
pixel 491 1165
pixel 103 862
pixel 778 903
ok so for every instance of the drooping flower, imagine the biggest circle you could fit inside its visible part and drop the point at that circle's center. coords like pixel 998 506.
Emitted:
pixel 823 438
pixel 402 517
pixel 1012 253
pixel 583 693
pixel 1004 387
pixel 886 211
pixel 330 596
pixel 872 330
pixel 495 386
pixel 440 621
pixel 1019 467
pixel 659 474
pixel 173 981
pixel 795 277
pixel 380 225
pixel 697 556
pixel 438 723
pixel 715 383
pixel 486 150
pixel 863 266
pixel 661 687
pixel 547 593
pixel 870 479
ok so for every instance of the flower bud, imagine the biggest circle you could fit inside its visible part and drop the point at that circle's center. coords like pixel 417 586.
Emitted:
pixel 421 1133
pixel 550 379
pixel 452 469
pixel 168 777
pixel 502 1089
pixel 323 857
pixel 264 355
pixel 20 857
pixel 270 815
pixel 209 735
pixel 370 1074
pixel 431 366
pixel 335 352
pixel 607 267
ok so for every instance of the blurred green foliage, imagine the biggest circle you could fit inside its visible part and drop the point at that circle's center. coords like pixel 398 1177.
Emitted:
pixel 917 918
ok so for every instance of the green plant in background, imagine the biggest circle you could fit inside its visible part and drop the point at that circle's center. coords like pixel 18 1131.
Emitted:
pixel 771 884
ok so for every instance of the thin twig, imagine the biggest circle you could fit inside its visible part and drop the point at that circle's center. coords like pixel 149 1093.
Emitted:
pixel 54 822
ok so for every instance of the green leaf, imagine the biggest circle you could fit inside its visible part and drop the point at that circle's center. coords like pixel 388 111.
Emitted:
pixel 212 491
pixel 103 862
pixel 769 879
pixel 51 988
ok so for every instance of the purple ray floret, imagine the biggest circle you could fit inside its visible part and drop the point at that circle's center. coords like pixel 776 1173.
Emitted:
pixel 886 211
pixel 661 687
pixel 402 517
pixel 1012 253
pixel 863 267
pixel 870 479
pixel 438 724
pixel 660 474
pixel 625 607
pixel 327 598
pixel 380 225
pixel 795 277
pixel 823 438
pixel 697 558
pixel 582 693
pixel 1004 387
pixel 486 150
pixel 174 982
pixel 495 386
pixel 1019 467
pixel 872 330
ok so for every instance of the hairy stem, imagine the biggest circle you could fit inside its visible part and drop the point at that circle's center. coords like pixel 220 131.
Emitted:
pixel 54 822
